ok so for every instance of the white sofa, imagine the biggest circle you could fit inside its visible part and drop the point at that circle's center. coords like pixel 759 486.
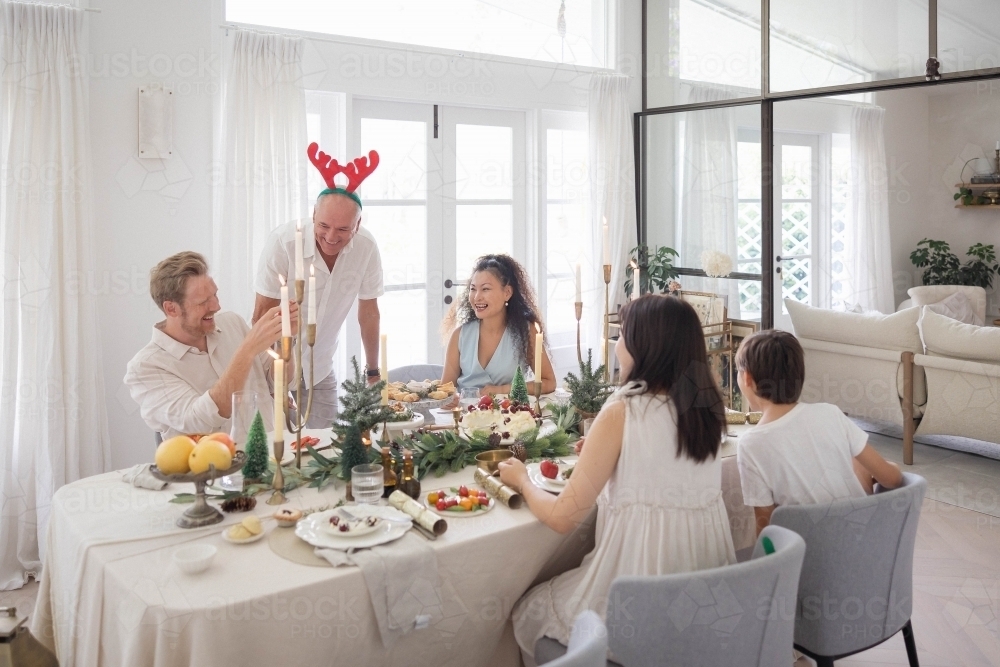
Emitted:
pixel 914 369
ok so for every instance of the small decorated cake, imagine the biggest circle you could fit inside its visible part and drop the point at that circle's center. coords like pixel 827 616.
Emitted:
pixel 507 418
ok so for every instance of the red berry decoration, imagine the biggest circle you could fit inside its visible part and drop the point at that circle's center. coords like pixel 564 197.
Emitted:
pixel 548 469
pixel 441 505
pixel 463 491
pixel 504 404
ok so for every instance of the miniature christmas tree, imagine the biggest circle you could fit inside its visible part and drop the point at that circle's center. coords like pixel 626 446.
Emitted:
pixel 256 449
pixel 353 452
pixel 518 387
pixel 361 403
pixel 589 391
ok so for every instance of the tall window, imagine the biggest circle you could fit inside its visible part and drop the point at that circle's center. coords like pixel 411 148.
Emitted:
pixel 545 30
pixel 566 210
pixel 748 227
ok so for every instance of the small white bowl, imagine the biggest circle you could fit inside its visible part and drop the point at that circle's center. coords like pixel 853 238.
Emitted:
pixel 194 558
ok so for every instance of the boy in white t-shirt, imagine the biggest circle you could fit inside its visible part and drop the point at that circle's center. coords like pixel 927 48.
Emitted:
pixel 799 453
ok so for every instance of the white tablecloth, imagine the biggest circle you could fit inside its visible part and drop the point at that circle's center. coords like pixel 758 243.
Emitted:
pixel 111 595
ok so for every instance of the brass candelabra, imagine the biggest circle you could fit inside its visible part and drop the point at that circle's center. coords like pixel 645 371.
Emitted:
pixel 302 390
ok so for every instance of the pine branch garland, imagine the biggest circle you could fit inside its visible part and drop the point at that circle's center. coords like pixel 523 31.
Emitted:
pixel 256 448
pixel 589 390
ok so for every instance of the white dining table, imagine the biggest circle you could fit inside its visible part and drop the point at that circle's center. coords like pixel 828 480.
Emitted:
pixel 111 595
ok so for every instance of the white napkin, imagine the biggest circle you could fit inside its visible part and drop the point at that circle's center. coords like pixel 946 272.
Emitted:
pixel 140 477
pixel 403 583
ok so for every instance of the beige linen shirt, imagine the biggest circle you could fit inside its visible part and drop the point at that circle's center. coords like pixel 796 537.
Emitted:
pixel 357 274
pixel 170 380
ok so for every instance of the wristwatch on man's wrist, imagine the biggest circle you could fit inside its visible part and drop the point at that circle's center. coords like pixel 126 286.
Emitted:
pixel 373 372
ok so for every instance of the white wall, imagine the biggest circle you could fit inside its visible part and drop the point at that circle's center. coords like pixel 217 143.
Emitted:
pixel 147 210
pixel 929 133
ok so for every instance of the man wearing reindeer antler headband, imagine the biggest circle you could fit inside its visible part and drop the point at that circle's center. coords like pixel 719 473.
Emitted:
pixel 345 260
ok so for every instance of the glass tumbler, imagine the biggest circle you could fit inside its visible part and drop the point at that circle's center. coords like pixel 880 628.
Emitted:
pixel 366 483
pixel 243 412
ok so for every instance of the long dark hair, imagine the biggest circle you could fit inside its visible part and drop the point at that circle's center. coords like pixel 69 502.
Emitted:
pixel 664 337
pixel 522 310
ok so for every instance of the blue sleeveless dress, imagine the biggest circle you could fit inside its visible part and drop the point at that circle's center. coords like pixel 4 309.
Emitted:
pixel 500 369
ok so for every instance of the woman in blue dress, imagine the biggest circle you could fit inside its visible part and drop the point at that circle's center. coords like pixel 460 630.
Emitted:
pixel 493 329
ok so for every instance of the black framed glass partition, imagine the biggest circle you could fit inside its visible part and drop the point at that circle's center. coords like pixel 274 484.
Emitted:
pixel 785 83
pixel 702 185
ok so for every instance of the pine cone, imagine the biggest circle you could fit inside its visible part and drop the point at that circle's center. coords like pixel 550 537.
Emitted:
pixel 494 440
pixel 519 451
pixel 239 504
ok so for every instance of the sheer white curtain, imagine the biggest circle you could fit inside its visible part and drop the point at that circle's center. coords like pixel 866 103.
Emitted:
pixel 867 251
pixel 262 154
pixel 54 425
pixel 709 191
pixel 612 190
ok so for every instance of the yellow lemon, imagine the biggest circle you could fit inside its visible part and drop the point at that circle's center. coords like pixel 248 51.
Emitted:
pixel 172 455
pixel 209 452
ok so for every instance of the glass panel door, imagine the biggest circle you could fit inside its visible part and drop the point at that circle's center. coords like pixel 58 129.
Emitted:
pixel 795 206
pixel 398 205
pixel 484 194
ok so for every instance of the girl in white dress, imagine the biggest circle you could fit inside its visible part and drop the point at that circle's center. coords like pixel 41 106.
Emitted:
pixel 651 466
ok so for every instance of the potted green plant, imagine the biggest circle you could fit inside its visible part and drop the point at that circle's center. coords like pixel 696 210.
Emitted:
pixel 656 269
pixel 589 391
pixel 943 267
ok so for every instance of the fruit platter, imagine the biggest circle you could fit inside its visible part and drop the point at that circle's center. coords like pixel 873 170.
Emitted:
pixel 182 459
pixel 502 420
pixel 459 502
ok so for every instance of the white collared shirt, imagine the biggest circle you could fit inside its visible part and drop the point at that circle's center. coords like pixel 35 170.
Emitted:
pixel 357 274
pixel 170 380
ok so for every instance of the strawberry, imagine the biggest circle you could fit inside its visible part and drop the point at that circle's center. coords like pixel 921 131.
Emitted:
pixel 549 469
pixel 486 403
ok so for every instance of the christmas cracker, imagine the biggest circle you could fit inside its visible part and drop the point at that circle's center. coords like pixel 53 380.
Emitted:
pixel 498 489
pixel 421 515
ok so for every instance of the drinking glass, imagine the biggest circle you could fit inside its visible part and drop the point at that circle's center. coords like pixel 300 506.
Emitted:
pixel 469 396
pixel 367 483
pixel 244 410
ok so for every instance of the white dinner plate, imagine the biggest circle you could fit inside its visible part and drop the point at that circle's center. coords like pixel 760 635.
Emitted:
pixel 312 530
pixel 416 422
pixel 543 482
pixel 455 515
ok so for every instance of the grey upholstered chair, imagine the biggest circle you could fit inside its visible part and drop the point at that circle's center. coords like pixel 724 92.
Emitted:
pixel 740 614
pixel 418 372
pixel 856 588
pixel 588 644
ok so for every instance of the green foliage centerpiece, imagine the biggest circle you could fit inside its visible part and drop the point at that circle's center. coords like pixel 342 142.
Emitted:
pixel 589 391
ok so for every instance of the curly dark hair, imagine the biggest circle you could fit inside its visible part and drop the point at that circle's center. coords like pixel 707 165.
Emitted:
pixel 522 308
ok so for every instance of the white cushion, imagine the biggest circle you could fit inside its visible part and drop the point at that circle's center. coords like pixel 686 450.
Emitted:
pixel 945 337
pixel 957 307
pixel 906 304
pixel 897 331
pixel 925 295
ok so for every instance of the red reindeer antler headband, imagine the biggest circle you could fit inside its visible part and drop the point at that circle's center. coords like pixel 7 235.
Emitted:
pixel 356 171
